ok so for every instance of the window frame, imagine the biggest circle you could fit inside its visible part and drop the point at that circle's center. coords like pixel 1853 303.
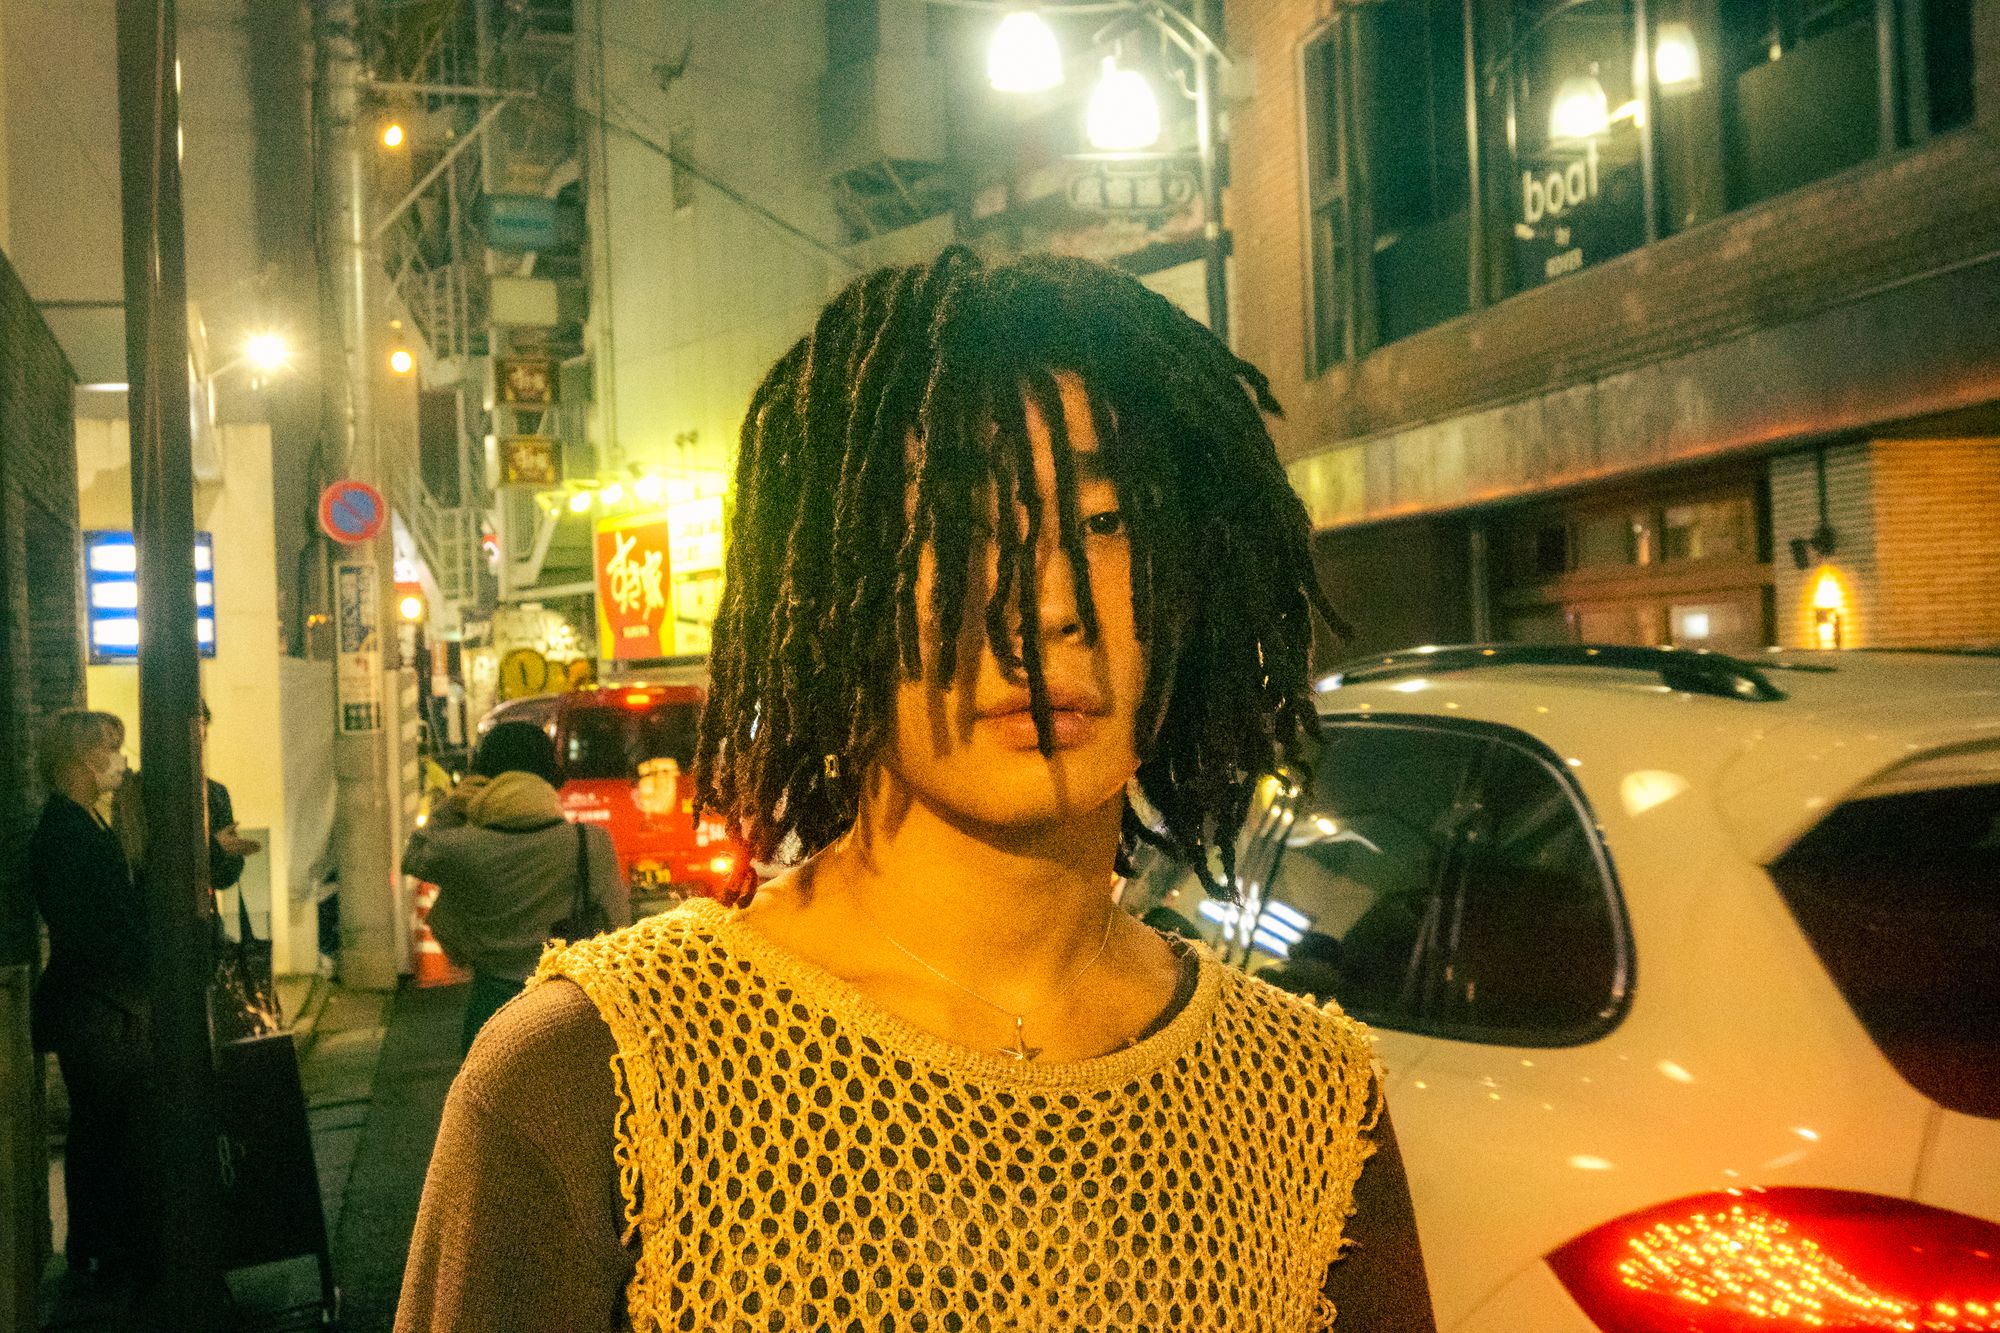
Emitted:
pixel 1624 972
pixel 1329 120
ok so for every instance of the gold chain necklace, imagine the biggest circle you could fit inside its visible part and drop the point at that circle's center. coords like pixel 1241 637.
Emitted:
pixel 1020 1050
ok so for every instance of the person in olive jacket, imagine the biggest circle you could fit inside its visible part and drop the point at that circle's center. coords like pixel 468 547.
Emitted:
pixel 91 1005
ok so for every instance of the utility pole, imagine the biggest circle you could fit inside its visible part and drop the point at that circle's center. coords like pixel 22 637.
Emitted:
pixel 365 769
pixel 181 1187
pixel 1208 137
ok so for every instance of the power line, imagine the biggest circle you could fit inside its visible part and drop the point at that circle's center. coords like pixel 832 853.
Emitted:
pixel 727 191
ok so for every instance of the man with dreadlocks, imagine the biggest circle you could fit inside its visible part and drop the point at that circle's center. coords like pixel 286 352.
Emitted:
pixel 1015 580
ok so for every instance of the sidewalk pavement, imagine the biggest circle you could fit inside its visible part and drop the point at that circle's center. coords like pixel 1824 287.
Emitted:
pixel 375 1066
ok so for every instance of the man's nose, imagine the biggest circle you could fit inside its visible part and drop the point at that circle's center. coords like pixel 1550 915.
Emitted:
pixel 1056 585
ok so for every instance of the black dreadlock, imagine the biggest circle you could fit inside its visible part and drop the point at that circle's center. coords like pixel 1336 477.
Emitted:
pixel 878 435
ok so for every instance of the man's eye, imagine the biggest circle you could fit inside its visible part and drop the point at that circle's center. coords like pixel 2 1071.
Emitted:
pixel 1110 523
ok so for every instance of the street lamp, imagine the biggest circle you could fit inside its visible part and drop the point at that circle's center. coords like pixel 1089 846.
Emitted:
pixel 1023 56
pixel 1123 115
pixel 267 353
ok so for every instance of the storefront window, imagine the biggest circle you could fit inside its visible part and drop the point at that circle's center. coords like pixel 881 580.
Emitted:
pixel 1411 73
pixel 1562 125
pixel 1757 97
pixel 1589 145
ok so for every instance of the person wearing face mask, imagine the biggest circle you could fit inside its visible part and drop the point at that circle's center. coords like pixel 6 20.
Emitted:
pixel 90 1006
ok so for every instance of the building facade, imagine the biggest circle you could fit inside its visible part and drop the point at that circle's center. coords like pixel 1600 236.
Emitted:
pixel 1632 323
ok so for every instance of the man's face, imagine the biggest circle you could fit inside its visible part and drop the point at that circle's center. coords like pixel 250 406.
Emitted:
pixel 969 750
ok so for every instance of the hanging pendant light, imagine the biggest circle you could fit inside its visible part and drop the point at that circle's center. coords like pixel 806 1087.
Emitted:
pixel 1023 56
pixel 1124 116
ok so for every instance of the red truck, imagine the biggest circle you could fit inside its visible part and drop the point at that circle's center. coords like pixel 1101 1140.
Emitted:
pixel 624 752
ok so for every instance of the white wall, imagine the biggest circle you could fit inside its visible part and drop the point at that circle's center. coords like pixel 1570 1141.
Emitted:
pixel 242 681
pixel 692 305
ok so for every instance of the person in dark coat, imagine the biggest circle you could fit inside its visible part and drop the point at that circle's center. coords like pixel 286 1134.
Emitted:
pixel 91 1006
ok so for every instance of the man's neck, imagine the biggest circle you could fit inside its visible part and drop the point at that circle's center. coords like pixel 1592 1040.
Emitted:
pixel 966 898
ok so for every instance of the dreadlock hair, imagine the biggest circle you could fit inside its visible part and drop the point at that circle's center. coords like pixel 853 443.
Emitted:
pixel 885 430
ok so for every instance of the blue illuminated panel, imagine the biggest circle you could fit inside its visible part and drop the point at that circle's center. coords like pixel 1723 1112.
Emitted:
pixel 111 595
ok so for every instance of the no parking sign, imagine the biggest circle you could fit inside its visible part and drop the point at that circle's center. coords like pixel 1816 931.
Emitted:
pixel 351 511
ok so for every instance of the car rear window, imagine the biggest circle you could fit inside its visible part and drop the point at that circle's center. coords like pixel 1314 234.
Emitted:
pixel 612 742
pixel 1900 896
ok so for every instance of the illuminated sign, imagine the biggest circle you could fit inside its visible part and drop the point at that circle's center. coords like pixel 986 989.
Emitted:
pixel 111 595
pixel 634 600
pixel 659 579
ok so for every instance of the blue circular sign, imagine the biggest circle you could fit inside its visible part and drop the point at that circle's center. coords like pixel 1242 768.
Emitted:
pixel 351 511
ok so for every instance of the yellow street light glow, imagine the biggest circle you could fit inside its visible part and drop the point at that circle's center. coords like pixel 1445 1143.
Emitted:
pixel 392 135
pixel 267 352
pixel 612 494
pixel 411 607
pixel 1023 56
pixel 579 502
pixel 401 361
pixel 648 488
pixel 1123 116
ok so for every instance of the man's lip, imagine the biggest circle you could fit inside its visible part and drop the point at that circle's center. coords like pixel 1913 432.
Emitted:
pixel 1061 700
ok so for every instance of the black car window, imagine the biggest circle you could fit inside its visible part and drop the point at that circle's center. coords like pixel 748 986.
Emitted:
pixel 1900 896
pixel 610 742
pixel 1447 880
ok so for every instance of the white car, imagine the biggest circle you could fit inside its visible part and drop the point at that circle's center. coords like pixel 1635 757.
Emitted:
pixel 1685 971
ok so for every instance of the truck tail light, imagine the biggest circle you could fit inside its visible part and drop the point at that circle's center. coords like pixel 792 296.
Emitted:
pixel 1784 1259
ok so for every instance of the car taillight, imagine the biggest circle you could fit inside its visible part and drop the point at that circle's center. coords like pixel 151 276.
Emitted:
pixel 1780 1259
pixel 638 699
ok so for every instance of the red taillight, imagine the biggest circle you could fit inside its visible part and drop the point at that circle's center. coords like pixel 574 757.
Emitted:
pixel 638 699
pixel 1776 1260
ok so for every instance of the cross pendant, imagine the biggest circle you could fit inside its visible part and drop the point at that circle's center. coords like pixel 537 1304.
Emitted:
pixel 1020 1050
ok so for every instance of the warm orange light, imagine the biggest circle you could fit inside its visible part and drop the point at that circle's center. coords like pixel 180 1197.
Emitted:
pixel 401 361
pixel 1828 595
pixel 723 865
pixel 638 698
pixel 392 135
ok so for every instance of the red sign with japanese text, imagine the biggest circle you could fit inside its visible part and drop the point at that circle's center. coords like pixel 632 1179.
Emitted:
pixel 634 594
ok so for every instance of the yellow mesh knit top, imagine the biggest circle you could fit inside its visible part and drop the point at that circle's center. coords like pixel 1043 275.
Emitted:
pixel 793 1156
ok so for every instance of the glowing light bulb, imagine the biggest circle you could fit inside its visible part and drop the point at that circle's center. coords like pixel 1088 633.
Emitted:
pixel 579 502
pixel 1124 116
pixel 266 352
pixel 1677 60
pixel 401 361
pixel 392 135
pixel 1581 110
pixel 1023 56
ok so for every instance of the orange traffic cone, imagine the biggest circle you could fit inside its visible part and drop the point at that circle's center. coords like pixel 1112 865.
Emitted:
pixel 432 967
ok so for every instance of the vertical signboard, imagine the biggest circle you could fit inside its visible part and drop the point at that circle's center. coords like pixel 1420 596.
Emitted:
pixel 360 668
pixel 634 599
pixel 694 528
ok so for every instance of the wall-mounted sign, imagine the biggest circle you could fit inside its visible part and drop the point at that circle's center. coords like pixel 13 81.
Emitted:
pixel 358 676
pixel 530 460
pixel 519 221
pixel 525 381
pixel 351 511
pixel 522 303
pixel 634 599
pixel 1149 188
pixel 695 556
pixel 111 593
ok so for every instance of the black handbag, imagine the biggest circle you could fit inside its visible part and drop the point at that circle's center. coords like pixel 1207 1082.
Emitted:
pixel 586 915
pixel 242 993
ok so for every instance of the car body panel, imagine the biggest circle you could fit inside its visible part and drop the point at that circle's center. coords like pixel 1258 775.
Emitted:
pixel 1738 1062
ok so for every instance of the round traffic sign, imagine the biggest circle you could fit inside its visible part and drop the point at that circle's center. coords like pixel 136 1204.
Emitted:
pixel 351 511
